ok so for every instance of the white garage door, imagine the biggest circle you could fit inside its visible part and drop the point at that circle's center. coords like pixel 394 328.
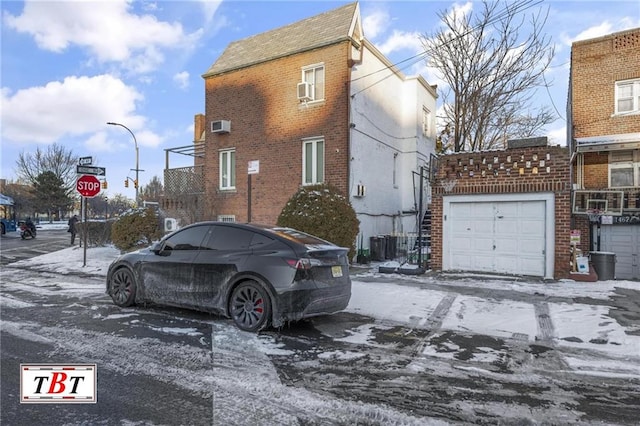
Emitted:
pixel 498 236
pixel 624 241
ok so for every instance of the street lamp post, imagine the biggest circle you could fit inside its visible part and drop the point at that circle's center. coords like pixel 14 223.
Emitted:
pixel 136 183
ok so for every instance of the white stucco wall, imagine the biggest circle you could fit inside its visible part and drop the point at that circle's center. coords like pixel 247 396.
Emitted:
pixel 387 145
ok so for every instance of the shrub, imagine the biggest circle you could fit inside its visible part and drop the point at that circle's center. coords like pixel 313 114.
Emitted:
pixel 321 210
pixel 135 229
pixel 98 232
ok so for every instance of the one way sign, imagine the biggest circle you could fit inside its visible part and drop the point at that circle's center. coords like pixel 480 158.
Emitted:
pixel 91 170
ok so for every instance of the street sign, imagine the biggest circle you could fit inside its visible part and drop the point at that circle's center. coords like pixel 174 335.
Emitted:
pixel 88 185
pixel 254 167
pixel 91 170
pixel 85 161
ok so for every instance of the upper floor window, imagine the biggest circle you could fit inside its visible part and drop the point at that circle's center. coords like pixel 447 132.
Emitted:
pixel 624 169
pixel 313 162
pixel 314 75
pixel 627 96
pixel 228 169
pixel 426 121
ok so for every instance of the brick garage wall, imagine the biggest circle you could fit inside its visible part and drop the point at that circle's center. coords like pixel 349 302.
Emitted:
pixel 269 123
pixel 596 65
pixel 511 171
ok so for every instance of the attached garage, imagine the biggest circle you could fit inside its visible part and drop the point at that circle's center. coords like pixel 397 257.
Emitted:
pixel 500 233
pixel 624 241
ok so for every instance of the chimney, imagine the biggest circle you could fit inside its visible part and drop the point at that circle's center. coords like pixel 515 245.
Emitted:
pixel 199 127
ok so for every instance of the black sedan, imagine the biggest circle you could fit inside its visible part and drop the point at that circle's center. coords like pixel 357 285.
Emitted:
pixel 260 276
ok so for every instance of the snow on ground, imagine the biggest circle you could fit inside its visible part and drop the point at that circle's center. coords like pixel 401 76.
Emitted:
pixel 409 300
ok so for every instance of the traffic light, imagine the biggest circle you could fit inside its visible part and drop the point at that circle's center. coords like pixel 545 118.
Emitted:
pixel 126 183
pixel 104 184
pixel 135 184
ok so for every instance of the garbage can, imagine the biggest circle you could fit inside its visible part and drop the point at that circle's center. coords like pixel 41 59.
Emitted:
pixel 392 246
pixel 378 248
pixel 605 264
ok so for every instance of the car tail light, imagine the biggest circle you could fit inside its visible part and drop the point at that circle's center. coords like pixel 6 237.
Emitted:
pixel 303 264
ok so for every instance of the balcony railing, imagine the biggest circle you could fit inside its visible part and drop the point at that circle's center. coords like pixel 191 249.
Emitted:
pixel 606 200
pixel 184 180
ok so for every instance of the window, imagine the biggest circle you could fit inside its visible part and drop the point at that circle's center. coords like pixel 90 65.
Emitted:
pixel 627 96
pixel 314 75
pixel 229 238
pixel 230 218
pixel 228 169
pixel 187 239
pixel 426 120
pixel 624 169
pixel 313 162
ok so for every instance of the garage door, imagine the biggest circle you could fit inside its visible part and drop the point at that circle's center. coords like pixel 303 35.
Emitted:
pixel 624 241
pixel 505 237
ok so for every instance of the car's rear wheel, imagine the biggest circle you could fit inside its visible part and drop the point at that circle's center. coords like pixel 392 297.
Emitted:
pixel 250 306
pixel 122 287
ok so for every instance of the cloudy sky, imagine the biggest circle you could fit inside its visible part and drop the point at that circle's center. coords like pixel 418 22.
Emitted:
pixel 69 67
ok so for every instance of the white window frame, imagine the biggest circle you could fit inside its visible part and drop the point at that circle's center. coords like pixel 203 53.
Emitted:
pixel 227 161
pixel 633 162
pixel 426 121
pixel 634 98
pixel 317 165
pixel 311 74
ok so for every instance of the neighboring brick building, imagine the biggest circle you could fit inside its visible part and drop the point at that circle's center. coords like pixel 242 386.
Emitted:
pixel 504 211
pixel 308 103
pixel 604 135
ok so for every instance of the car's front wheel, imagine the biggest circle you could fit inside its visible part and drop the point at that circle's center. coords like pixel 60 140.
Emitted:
pixel 250 307
pixel 122 287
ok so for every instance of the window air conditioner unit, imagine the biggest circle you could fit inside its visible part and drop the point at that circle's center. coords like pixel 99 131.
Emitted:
pixel 304 91
pixel 221 126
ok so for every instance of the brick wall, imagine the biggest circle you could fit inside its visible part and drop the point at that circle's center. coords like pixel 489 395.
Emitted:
pixel 511 171
pixel 596 65
pixel 268 124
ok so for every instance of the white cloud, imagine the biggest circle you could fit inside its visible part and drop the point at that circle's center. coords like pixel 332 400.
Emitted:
pixel 401 40
pixel 182 79
pixel 98 142
pixel 106 29
pixel 73 107
pixel 375 24
pixel 558 136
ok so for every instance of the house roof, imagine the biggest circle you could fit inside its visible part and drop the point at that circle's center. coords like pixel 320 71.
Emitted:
pixel 328 28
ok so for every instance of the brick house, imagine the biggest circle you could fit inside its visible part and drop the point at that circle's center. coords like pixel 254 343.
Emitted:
pixel 604 111
pixel 503 211
pixel 307 103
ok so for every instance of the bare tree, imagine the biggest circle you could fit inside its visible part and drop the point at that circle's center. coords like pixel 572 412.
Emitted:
pixel 493 62
pixel 55 159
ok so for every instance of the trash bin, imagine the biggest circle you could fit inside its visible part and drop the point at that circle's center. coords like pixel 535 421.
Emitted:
pixel 605 264
pixel 378 248
pixel 392 246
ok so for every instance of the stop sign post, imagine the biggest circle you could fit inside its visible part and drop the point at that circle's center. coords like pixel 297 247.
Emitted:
pixel 88 186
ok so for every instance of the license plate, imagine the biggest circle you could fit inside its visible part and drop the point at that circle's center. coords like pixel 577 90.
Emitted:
pixel 336 271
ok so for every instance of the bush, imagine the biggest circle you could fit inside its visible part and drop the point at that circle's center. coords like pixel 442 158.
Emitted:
pixel 98 232
pixel 321 210
pixel 136 229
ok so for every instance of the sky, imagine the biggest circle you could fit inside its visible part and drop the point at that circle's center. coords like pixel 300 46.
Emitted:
pixel 69 67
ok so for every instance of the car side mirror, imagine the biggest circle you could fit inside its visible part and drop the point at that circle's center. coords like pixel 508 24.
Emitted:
pixel 158 248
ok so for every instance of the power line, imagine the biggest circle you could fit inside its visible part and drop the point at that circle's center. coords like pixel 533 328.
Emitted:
pixel 517 7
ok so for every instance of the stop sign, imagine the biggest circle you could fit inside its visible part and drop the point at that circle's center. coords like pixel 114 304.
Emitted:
pixel 88 185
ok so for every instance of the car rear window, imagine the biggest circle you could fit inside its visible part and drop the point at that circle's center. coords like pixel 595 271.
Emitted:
pixel 299 236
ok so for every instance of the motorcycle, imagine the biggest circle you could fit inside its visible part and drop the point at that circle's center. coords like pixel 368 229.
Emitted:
pixel 27 231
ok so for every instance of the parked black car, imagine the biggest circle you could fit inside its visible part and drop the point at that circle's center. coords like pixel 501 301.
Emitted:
pixel 257 275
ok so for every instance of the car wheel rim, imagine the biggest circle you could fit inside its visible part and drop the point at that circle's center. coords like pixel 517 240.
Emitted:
pixel 248 307
pixel 121 287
